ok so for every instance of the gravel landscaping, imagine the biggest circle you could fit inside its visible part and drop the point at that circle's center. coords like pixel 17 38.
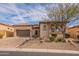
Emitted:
pixel 13 42
pixel 49 45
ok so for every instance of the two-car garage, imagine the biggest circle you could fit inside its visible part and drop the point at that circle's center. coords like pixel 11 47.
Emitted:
pixel 26 31
pixel 23 30
pixel 23 33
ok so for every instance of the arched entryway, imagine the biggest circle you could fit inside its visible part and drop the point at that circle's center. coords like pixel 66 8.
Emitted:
pixel 77 36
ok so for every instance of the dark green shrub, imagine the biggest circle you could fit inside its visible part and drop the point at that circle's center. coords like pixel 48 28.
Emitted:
pixel 53 36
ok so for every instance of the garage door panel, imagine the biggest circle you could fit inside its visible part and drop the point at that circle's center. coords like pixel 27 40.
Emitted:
pixel 23 33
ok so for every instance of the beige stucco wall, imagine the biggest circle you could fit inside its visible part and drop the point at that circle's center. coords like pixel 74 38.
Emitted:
pixel 44 33
pixel 7 28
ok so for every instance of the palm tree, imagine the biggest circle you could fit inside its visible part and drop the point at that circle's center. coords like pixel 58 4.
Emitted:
pixel 63 12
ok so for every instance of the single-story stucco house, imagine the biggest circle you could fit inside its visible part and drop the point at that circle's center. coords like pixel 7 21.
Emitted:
pixel 42 30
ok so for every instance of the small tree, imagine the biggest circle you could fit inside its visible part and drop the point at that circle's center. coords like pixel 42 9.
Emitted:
pixel 63 12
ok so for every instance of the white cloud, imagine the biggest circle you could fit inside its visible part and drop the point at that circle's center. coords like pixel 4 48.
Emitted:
pixel 37 14
pixel 34 14
pixel 5 8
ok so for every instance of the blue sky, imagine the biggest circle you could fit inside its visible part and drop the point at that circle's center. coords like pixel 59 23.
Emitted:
pixel 26 13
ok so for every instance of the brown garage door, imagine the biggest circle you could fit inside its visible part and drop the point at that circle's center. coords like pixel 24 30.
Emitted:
pixel 23 33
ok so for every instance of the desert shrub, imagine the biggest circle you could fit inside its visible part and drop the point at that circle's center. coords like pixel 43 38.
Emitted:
pixel 59 38
pixel 35 36
pixel 53 36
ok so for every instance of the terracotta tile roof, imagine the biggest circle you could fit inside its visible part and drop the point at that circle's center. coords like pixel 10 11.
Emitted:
pixel 25 24
pixel 54 21
pixel 74 27
pixel 6 25
pixel 22 24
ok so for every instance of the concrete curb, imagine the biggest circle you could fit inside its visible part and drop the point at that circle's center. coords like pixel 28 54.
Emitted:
pixel 39 50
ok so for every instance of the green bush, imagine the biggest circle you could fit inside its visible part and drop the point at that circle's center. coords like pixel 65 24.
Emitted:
pixel 53 36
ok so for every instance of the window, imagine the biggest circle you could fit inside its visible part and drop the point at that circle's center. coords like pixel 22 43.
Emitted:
pixel 44 27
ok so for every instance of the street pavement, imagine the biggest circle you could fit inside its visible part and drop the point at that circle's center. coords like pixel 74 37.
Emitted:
pixel 16 53
pixel 36 52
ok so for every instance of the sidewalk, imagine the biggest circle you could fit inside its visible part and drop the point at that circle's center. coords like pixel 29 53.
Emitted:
pixel 39 50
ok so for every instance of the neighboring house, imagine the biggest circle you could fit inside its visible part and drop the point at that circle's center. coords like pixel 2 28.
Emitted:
pixel 74 32
pixel 6 30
